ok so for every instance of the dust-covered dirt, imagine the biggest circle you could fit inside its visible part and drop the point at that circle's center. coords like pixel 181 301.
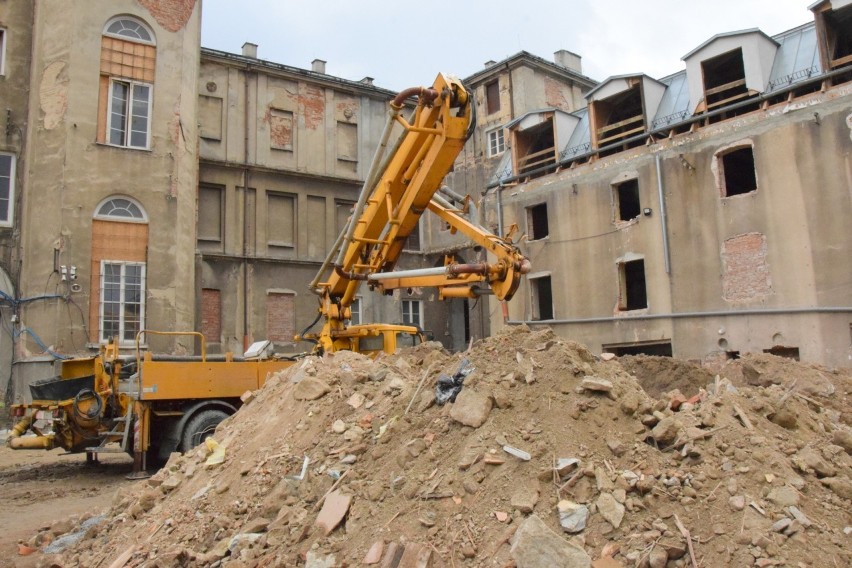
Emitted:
pixel 45 494
pixel 549 456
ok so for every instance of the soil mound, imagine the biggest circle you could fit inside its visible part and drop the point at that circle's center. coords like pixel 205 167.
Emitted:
pixel 549 456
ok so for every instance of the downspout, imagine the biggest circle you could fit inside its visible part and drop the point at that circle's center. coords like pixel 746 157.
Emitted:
pixel 663 218
pixel 504 305
pixel 246 326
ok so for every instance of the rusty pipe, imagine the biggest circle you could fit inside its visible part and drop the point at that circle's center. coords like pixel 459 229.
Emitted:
pixel 425 96
pixel 32 443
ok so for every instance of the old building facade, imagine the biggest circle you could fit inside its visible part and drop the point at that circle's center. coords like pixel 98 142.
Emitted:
pixel 104 138
pixel 703 214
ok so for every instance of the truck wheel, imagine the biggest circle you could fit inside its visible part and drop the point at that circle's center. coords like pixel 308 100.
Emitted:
pixel 200 427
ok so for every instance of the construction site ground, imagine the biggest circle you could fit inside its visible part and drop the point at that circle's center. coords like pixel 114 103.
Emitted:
pixel 550 455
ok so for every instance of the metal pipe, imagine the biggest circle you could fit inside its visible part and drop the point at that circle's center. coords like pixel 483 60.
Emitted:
pixel 451 194
pixel 425 96
pixel 450 270
pixel 692 119
pixel 32 443
pixel 663 219
pixel 366 189
pixel 682 315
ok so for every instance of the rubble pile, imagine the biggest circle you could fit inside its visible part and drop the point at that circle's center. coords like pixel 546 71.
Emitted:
pixel 548 456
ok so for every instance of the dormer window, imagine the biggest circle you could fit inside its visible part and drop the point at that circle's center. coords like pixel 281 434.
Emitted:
pixel 618 117
pixel 834 28
pixel 535 147
pixel 724 79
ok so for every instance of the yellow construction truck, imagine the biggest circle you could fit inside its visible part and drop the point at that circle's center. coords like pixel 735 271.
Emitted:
pixel 150 405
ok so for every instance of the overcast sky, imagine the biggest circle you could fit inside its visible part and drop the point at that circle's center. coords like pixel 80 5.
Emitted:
pixel 405 44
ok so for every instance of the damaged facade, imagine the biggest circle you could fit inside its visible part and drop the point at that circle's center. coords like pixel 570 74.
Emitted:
pixel 703 214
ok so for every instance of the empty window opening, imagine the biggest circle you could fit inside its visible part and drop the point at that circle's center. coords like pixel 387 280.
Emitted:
pixel 496 142
pixel 732 355
pixel 619 117
pixel 2 51
pixel 738 173
pixel 537 227
pixel 627 200
pixel 542 298
pixel 633 294
pixel 781 351
pixel 838 36
pixel 492 97
pixel 535 148
pixel 655 349
pixel 724 79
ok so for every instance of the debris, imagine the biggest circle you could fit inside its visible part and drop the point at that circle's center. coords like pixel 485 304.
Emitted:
pixel 374 555
pixel 536 546
pixel 572 516
pixel 448 387
pixel 743 417
pixel 471 408
pixel 520 454
pixel 596 385
pixel 311 388
pixel 216 454
pixel 610 509
pixel 334 509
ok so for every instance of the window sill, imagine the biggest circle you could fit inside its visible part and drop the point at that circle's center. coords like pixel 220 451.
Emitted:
pixel 345 159
pixel 282 148
pixel 135 148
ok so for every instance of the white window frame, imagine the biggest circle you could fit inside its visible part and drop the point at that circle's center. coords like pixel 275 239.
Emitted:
pixel 122 329
pixel 3 34
pixel 130 37
pixel 128 116
pixel 496 142
pixel 139 216
pixel 355 309
pixel 10 221
pixel 408 311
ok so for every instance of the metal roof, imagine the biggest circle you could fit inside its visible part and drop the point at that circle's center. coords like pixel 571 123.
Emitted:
pixel 603 83
pixel 674 107
pixel 797 57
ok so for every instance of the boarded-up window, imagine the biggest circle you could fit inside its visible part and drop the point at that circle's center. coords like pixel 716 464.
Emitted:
pixel 745 271
pixel 280 129
pixel 210 117
pixel 122 249
pixel 211 315
pixel 280 317
pixel 492 97
pixel 347 141
pixel 124 106
pixel 316 234
pixel 210 213
pixel 280 220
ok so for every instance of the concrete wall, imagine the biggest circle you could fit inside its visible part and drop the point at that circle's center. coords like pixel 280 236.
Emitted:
pixel 748 272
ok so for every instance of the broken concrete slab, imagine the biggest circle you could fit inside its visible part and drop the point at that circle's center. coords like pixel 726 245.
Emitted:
pixel 310 388
pixel 471 408
pixel 536 546
pixel 334 509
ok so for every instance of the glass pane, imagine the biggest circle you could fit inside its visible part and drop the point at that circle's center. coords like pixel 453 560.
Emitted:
pixel 139 120
pixel 118 113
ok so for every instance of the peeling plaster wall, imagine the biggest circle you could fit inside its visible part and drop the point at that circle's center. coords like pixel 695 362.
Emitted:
pixel 783 247
pixel 68 173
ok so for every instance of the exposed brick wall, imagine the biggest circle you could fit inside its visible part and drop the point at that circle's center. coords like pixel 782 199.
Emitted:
pixel 211 315
pixel 280 317
pixel 171 14
pixel 745 272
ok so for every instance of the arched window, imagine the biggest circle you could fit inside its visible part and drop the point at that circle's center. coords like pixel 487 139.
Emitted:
pixel 128 62
pixel 124 27
pixel 120 208
pixel 119 262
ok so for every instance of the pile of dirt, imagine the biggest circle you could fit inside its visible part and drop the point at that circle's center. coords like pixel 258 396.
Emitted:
pixel 549 456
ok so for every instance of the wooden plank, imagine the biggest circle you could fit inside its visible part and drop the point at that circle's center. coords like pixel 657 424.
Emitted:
pixel 625 122
pixel 725 87
pixel 528 157
pixel 728 100
pixel 621 135
pixel 841 61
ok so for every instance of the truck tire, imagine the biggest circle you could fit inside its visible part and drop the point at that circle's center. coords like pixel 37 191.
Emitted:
pixel 200 427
